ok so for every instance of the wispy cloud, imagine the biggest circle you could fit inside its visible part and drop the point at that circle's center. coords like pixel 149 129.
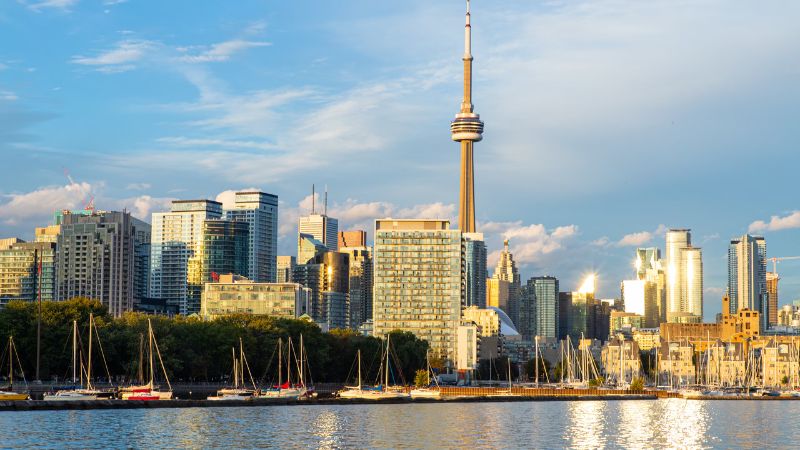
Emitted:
pixel 41 203
pixel 121 58
pixel 52 4
pixel 223 51
pixel 776 223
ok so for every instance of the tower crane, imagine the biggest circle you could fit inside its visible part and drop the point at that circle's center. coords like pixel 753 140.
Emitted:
pixel 780 258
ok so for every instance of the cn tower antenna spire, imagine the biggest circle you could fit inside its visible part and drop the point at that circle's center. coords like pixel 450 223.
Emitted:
pixel 467 128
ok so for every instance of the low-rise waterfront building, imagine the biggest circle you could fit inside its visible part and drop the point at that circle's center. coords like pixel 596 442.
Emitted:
pixel 237 295
pixel 621 361
pixel 676 365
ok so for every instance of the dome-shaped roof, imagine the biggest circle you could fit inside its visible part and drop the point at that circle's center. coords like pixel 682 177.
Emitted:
pixel 506 325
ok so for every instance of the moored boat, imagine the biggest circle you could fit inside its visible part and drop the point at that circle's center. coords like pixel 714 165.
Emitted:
pixel 7 393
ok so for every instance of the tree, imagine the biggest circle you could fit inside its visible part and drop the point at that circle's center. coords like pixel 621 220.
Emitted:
pixel 544 369
pixel 637 384
pixel 422 378
pixel 785 380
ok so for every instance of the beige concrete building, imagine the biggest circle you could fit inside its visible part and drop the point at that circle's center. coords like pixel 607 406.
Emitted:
pixel 646 338
pixel 48 233
pixel 727 364
pixel 238 295
pixel 352 239
pixel 487 320
pixel 418 281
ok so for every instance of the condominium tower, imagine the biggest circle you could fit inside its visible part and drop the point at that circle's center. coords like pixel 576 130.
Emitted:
pixel 417 281
pixel 260 211
pixel 474 270
pixel 747 276
pixel 684 278
pixel 506 270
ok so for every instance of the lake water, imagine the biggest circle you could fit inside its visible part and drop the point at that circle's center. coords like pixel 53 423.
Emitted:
pixel 576 424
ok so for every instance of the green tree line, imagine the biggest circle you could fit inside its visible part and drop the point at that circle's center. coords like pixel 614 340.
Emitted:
pixel 194 350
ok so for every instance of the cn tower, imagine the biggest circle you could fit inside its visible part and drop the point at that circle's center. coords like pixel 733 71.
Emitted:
pixel 467 129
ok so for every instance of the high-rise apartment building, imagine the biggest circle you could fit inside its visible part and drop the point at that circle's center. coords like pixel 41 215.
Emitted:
pixel 417 281
pixel 322 228
pixel 474 270
pixel 328 278
pixel 772 295
pixel 27 271
pixel 308 247
pixel 747 276
pixel 176 258
pixel 285 266
pixel 544 294
pixel 225 249
pixel 684 278
pixel 352 239
pixel 506 270
pixel 650 267
pixel 96 257
pixel 260 211
pixel 360 284
pixel 48 233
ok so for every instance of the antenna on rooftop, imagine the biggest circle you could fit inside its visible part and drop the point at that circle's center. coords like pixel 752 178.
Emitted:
pixel 313 200
pixel 325 207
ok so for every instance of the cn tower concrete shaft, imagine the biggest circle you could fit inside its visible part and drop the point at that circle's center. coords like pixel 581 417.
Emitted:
pixel 467 129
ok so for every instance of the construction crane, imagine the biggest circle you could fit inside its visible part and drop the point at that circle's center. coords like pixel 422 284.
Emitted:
pixel 90 205
pixel 780 258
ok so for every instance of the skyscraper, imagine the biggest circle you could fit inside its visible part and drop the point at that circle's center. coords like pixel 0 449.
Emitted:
pixel 417 281
pixel 260 211
pixel 225 250
pixel 747 276
pixel 474 270
pixel 639 297
pixel 308 247
pixel 772 293
pixel 360 284
pixel 96 257
pixel 684 278
pixel 176 262
pixel 650 267
pixel 328 277
pixel 467 128
pixel 539 307
pixel 323 228
pixel 506 270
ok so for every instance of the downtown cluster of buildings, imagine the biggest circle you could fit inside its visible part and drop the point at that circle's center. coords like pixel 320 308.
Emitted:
pixel 419 275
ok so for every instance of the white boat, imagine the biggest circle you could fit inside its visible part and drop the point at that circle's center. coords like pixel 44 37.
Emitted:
pixel 287 390
pixel 149 391
pixel 69 396
pixel 238 392
pixel 8 394
pixel 427 392
pixel 380 392
pixel 86 393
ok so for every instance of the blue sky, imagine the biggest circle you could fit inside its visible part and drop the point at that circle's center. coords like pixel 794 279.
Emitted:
pixel 606 121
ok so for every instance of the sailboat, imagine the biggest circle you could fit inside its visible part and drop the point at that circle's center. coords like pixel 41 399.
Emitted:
pixel 149 391
pixel 238 391
pixel 427 392
pixel 76 394
pixel 379 392
pixel 7 393
pixel 287 390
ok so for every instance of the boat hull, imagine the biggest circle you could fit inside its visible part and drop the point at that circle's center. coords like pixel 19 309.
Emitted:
pixel 12 396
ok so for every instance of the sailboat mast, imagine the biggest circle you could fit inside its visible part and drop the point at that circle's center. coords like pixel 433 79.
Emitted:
pixel 289 362
pixel 241 360
pixel 388 337
pixel 536 360
pixel 89 364
pixel 10 363
pixel 359 369
pixel 141 358
pixel 74 349
pixel 302 382
pixel 280 358
pixel 150 354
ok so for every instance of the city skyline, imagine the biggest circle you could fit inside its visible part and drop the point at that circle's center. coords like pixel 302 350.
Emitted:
pixel 146 132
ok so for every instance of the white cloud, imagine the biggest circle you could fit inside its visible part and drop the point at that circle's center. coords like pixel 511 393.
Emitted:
pixel 138 186
pixel 41 203
pixel 8 96
pixel 143 206
pixel 635 239
pixel 223 51
pixel 529 243
pixel 120 58
pixel 776 223
pixel 53 4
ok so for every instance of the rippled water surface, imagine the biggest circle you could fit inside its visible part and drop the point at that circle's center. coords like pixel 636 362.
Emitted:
pixel 590 424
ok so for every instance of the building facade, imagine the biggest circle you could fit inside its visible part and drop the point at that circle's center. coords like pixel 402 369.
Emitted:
pixel 641 297
pixel 328 278
pixel 97 257
pixel 650 268
pixel 260 211
pixel 417 281
pixel 285 264
pixel 27 272
pixel 237 295
pixel 747 276
pixel 176 257
pixel 360 260
pixel 684 277
pixel 322 228
pixel 352 239
pixel 225 249
pixel 474 270
pixel 539 308
pixel 506 270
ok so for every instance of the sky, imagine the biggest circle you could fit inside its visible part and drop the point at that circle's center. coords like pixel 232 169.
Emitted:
pixel 606 121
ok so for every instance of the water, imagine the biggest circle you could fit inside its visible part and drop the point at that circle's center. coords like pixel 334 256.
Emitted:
pixel 596 424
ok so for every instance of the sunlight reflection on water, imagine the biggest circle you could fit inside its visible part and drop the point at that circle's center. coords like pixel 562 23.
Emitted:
pixel 673 423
